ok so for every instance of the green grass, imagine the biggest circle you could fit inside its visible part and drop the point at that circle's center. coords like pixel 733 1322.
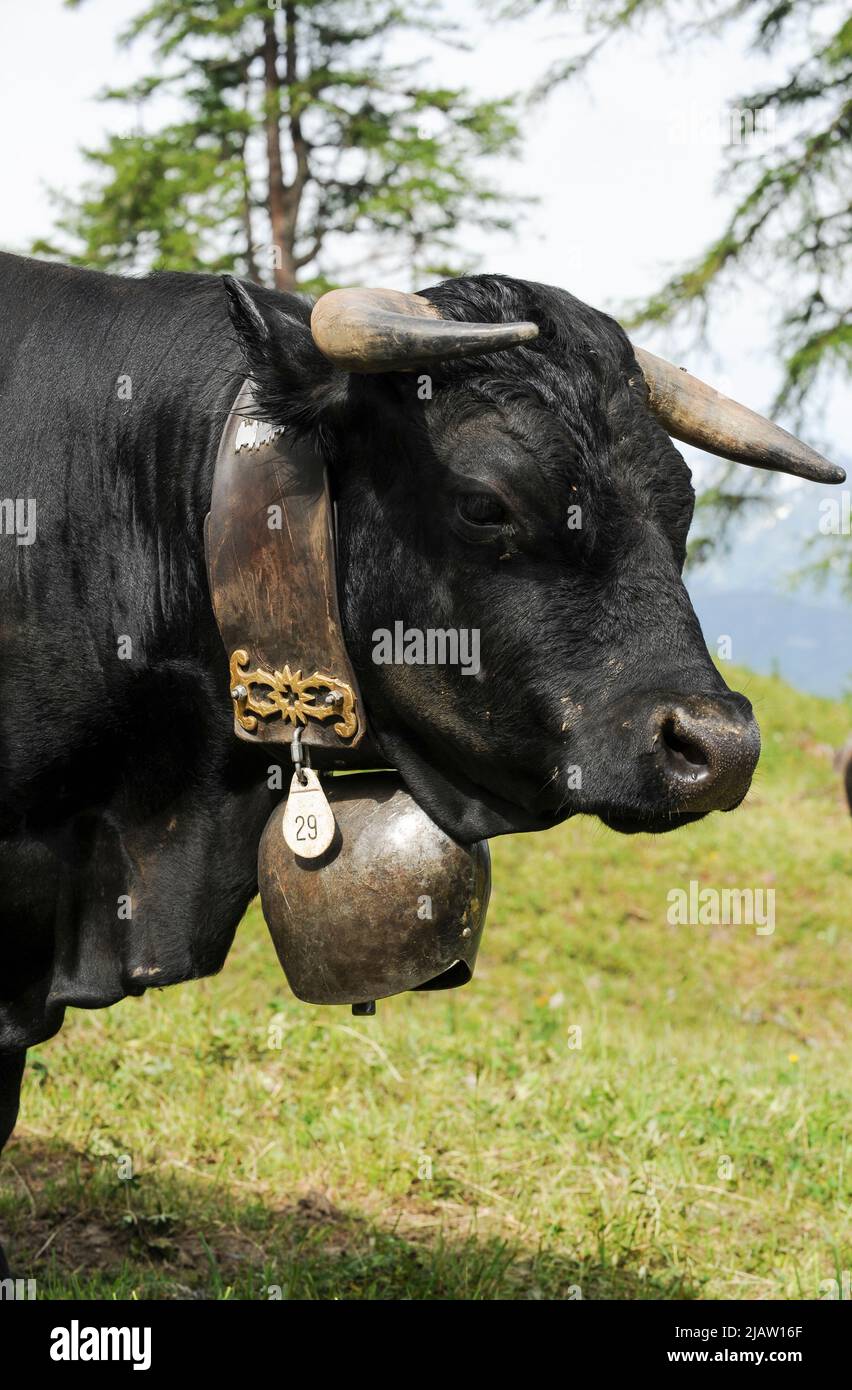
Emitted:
pixel 696 1144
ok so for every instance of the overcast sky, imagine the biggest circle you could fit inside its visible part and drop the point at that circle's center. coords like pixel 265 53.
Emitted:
pixel 624 163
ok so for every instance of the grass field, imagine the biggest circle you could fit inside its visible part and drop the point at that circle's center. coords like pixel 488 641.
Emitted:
pixel 615 1108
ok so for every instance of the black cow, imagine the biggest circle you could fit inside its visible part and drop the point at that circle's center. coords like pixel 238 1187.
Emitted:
pixel 120 776
pixel 843 764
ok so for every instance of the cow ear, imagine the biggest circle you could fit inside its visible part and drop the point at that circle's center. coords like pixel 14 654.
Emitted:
pixel 294 384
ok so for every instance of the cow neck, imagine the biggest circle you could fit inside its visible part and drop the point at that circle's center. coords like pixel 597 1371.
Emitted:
pixel 272 567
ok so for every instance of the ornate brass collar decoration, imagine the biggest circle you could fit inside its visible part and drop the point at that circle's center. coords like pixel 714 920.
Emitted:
pixel 293 697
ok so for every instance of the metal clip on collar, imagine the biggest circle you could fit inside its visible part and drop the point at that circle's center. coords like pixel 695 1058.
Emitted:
pixel 301 759
pixel 301 756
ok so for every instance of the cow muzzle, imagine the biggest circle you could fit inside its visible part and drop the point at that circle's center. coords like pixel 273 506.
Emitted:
pixel 673 759
pixel 702 750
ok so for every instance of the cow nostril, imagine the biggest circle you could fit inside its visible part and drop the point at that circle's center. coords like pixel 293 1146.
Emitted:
pixel 684 755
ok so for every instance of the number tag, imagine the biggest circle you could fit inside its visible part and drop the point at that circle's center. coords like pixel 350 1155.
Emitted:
pixel 308 819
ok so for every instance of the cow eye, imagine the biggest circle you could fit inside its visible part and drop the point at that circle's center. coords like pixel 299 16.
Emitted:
pixel 481 509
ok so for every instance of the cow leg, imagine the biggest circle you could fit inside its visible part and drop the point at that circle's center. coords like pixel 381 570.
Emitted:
pixel 11 1073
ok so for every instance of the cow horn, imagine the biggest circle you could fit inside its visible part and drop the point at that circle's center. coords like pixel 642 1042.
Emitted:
pixel 388 331
pixel 696 414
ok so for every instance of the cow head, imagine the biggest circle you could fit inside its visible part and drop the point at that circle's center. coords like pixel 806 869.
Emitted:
pixel 505 481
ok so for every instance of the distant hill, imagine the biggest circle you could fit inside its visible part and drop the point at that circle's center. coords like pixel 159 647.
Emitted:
pixel 810 647
pixel 805 635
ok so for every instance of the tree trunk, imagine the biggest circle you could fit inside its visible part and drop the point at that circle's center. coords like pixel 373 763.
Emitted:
pixel 246 209
pixel 282 223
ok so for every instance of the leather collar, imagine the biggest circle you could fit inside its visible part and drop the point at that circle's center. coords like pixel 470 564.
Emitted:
pixel 271 561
